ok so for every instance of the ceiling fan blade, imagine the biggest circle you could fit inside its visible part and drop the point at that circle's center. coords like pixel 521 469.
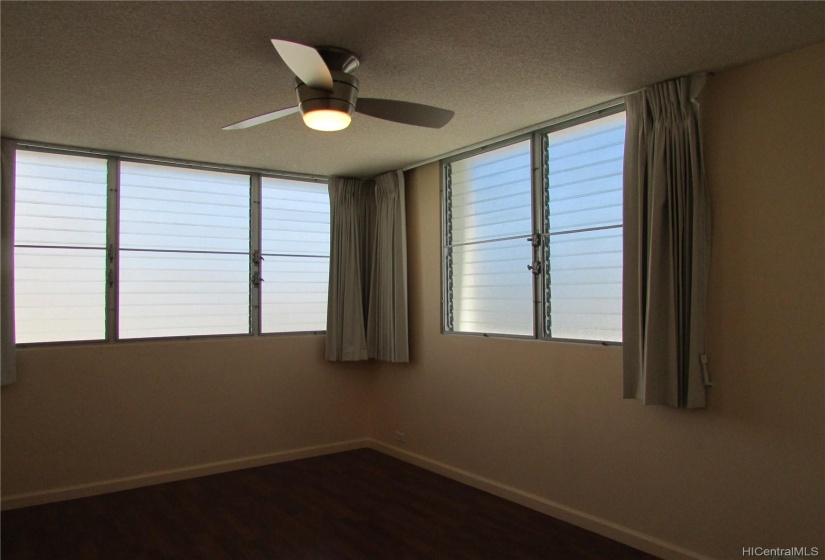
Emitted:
pixel 404 112
pixel 261 119
pixel 306 63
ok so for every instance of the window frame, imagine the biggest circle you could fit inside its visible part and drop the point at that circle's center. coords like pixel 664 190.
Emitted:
pixel 538 194
pixel 111 303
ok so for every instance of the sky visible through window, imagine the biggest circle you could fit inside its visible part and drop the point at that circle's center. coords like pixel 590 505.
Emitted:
pixel 184 259
pixel 60 247
pixel 295 247
pixel 583 284
pixel 491 220
pixel 184 251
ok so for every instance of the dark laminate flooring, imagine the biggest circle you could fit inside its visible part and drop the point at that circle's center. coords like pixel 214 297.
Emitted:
pixel 355 505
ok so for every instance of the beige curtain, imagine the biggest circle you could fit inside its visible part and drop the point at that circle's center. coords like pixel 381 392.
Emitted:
pixel 367 305
pixel 351 227
pixel 387 336
pixel 666 246
pixel 8 354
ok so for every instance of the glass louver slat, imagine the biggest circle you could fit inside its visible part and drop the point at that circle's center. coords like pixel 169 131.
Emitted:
pixel 183 294
pixel 583 280
pixel 294 217
pixel 295 230
pixel 490 195
pixel 60 240
pixel 294 294
pixel 170 208
pixel 492 290
pixel 60 294
pixel 184 252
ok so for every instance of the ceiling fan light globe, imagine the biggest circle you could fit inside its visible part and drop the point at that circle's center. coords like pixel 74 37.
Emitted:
pixel 327 120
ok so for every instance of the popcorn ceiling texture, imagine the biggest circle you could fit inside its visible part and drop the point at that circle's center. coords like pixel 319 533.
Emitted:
pixel 162 78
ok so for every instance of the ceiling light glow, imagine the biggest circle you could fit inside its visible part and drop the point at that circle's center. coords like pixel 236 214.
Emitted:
pixel 327 120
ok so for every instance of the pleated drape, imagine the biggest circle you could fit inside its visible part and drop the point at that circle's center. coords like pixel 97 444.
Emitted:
pixel 352 211
pixel 367 304
pixel 8 353
pixel 387 335
pixel 666 246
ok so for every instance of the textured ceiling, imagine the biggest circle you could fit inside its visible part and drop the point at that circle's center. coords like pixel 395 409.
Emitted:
pixel 162 78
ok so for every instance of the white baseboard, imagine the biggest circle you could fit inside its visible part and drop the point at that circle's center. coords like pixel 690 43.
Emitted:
pixel 127 483
pixel 603 527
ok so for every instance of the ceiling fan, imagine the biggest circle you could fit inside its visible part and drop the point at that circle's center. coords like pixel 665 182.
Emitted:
pixel 328 93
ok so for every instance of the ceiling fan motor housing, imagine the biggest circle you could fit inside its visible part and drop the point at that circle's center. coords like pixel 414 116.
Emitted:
pixel 342 97
pixel 328 92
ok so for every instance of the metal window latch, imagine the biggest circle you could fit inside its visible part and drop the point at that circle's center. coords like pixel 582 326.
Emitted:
pixel 257 257
pixel 535 240
pixel 535 268
pixel 256 279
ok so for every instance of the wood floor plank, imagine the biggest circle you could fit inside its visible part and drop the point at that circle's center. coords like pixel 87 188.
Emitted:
pixel 356 505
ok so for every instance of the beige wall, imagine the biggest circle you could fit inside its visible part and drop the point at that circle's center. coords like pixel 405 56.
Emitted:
pixel 548 418
pixel 90 414
pixel 544 418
